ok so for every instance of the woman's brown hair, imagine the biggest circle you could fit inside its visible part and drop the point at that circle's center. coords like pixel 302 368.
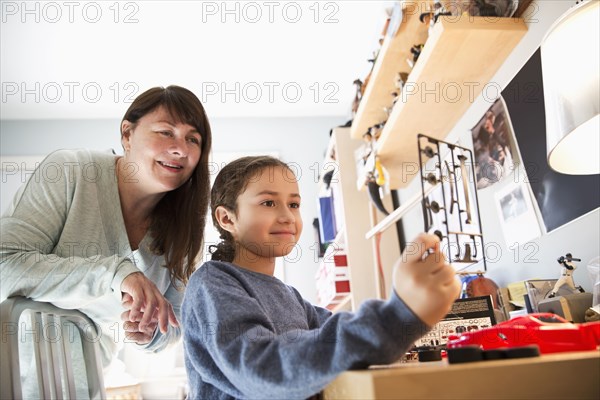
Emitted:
pixel 178 220
pixel 231 181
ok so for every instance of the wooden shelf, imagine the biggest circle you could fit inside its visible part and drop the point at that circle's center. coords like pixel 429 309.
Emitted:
pixel 390 61
pixel 458 61
pixel 356 221
pixel 550 376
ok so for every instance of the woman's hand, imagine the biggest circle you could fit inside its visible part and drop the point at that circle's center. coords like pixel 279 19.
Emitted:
pixel 146 307
pixel 132 329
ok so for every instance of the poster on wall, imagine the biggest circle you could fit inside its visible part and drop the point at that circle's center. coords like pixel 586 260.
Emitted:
pixel 561 198
pixel 517 215
pixel 493 146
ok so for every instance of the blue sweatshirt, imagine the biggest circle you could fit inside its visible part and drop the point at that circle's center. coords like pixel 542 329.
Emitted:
pixel 249 335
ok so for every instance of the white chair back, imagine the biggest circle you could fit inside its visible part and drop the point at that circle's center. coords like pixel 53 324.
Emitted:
pixel 57 338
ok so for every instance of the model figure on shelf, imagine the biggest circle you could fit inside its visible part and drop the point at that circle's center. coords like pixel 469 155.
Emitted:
pixel 357 97
pixel 430 17
pixel 566 276
pixel 368 145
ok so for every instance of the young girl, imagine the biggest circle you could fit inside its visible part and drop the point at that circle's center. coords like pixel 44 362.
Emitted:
pixel 249 335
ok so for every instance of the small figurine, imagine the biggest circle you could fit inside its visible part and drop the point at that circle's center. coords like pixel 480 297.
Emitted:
pixel 431 16
pixel 363 87
pixel 566 277
pixel 357 97
pixel 489 8
pixel 369 144
pixel 416 52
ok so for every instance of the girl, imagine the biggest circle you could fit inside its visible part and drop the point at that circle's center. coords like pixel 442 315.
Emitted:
pixel 248 335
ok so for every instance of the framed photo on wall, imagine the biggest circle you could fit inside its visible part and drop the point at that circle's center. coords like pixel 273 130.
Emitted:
pixel 560 198
pixel 493 145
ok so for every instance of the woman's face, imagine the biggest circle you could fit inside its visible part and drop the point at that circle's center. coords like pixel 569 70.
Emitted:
pixel 161 154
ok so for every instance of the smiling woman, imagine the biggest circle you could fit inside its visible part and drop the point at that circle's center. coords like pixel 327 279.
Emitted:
pixel 155 132
pixel 118 244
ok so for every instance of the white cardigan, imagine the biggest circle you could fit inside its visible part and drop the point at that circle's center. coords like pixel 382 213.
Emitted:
pixel 63 241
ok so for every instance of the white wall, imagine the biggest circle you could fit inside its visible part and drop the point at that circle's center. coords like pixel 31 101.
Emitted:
pixel 301 141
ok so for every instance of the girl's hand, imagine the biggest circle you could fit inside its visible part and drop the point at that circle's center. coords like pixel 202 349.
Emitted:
pixel 426 282
pixel 145 304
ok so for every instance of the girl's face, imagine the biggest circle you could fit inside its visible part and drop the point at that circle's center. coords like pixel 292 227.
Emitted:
pixel 268 222
pixel 161 154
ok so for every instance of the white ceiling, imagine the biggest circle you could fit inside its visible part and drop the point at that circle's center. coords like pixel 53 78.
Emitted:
pixel 83 60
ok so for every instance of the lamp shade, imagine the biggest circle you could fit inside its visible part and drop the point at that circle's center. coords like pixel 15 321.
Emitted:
pixel 570 69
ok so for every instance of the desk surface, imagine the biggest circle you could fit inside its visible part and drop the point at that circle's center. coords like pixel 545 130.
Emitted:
pixel 552 376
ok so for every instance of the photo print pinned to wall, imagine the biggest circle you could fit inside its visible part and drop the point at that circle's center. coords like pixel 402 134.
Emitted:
pixel 493 145
pixel 517 214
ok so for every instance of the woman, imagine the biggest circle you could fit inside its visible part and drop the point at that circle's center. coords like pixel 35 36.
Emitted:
pixel 117 237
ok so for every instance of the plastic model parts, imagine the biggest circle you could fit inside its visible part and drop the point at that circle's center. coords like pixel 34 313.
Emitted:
pixel 451 209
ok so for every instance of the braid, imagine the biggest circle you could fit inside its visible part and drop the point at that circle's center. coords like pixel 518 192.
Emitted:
pixel 224 250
